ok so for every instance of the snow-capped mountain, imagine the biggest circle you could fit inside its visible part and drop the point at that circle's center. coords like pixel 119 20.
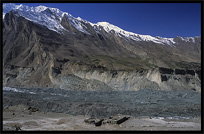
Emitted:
pixel 48 17
pixel 130 35
pixel 51 18
pixel 46 47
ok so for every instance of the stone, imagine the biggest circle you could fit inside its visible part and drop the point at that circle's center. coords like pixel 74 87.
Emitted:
pixel 90 121
pixel 99 123
pixel 31 109
pixel 118 119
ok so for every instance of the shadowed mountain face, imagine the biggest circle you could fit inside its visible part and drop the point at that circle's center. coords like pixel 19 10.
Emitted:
pixel 92 57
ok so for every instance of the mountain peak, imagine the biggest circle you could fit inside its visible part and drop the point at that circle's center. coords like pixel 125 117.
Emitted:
pixel 108 27
pixel 52 20
pixel 19 6
pixel 40 8
pixel 103 23
pixel 8 7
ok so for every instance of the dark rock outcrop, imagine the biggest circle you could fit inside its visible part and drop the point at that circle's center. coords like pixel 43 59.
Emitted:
pixel 199 73
pixel 118 119
pixel 166 70
pixel 163 78
pixel 191 72
pixel 180 72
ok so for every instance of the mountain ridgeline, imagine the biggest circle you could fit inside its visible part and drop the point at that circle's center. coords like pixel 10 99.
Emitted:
pixel 45 47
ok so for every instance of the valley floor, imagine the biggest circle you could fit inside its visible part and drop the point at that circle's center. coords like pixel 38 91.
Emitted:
pixel 14 118
pixel 57 109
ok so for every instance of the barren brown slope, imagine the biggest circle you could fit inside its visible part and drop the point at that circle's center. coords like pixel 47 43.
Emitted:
pixel 35 55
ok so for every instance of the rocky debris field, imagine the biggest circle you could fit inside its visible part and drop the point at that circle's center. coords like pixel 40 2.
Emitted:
pixel 103 104
pixel 23 118
pixel 111 120
pixel 57 109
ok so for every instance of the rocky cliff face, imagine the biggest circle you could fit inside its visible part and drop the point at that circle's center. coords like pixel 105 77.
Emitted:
pixel 35 56
pixel 158 78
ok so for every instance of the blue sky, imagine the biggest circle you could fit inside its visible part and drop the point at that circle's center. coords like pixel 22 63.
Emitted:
pixel 155 19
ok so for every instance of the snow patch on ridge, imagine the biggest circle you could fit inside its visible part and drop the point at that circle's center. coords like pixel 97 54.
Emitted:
pixel 3 15
pixel 188 39
pixel 78 24
pixel 40 8
pixel 130 35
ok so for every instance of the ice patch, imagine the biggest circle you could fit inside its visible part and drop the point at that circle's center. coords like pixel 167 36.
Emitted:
pixel 31 92
pixel 58 94
pixel 178 117
pixel 11 89
pixel 17 90
pixel 161 118
pixel 171 118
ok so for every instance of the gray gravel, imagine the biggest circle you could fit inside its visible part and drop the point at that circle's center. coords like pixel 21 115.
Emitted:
pixel 145 102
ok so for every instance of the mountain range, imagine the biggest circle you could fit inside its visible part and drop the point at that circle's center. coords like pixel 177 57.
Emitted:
pixel 46 47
